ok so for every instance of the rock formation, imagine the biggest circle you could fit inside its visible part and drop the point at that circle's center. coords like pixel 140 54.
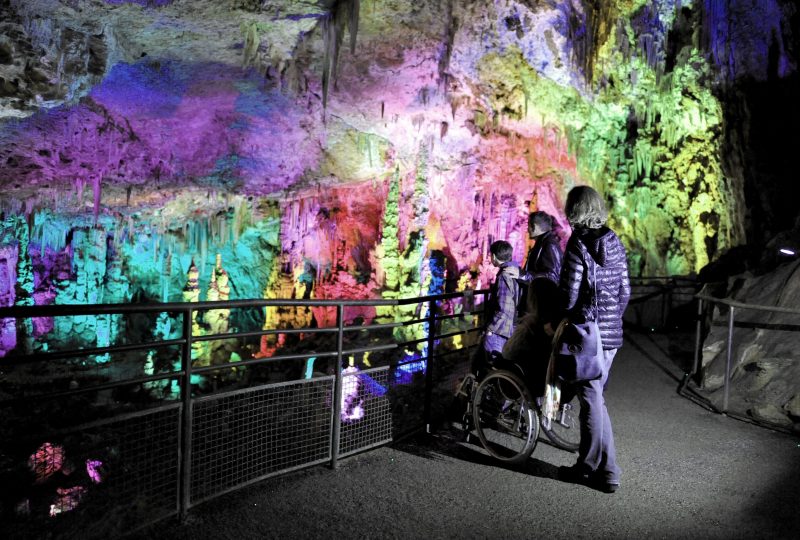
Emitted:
pixel 352 139
pixel 765 370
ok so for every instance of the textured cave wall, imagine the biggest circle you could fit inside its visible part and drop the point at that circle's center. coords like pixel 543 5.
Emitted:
pixel 754 48
pixel 765 373
pixel 332 149
pixel 754 52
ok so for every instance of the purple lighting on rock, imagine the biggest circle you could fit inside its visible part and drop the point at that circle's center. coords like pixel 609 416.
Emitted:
pixel 410 365
pixel 146 89
pixel 93 469
pixel 352 405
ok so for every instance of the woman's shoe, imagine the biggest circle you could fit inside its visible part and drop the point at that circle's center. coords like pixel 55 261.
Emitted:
pixel 600 482
pixel 573 475
pixel 605 487
pixel 578 475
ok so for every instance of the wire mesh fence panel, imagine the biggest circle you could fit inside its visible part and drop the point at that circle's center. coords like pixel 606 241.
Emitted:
pixel 366 415
pixel 120 470
pixel 451 367
pixel 94 481
pixel 407 396
pixel 246 435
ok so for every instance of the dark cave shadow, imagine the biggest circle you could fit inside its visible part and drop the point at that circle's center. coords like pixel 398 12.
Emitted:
pixel 776 508
pixel 450 442
pixel 631 338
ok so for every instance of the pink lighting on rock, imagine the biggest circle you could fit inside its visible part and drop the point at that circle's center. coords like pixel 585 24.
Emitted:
pixel 50 459
pixel 67 499
pixel 46 461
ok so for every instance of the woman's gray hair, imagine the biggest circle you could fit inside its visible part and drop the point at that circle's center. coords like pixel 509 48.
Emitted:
pixel 585 208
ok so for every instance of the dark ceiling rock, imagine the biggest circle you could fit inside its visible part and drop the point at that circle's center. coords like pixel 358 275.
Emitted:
pixel 45 62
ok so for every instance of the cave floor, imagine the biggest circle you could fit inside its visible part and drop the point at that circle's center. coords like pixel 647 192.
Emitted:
pixel 687 472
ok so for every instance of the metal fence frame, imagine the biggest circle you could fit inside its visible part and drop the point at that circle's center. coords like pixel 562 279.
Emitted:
pixel 670 289
pixel 186 311
pixel 732 305
pixel 663 287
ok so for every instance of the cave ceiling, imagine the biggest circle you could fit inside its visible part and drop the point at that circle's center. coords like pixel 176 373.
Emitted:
pixel 128 105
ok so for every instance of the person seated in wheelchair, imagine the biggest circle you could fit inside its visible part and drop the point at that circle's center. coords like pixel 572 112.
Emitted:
pixel 531 343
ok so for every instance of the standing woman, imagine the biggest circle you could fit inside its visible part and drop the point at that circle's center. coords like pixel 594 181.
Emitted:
pixel 594 254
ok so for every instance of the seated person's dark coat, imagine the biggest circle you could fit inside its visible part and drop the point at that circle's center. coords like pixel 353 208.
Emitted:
pixel 530 345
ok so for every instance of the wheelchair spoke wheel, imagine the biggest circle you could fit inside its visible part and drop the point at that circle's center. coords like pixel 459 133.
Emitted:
pixel 565 431
pixel 504 419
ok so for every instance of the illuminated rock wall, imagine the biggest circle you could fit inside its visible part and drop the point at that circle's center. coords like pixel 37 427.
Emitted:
pixel 765 374
pixel 335 149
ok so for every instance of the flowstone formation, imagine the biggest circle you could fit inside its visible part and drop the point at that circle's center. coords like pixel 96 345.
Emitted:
pixel 348 149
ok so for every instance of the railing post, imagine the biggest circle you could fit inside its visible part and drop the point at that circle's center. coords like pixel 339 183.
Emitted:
pixel 671 286
pixel 185 457
pixel 698 338
pixel 337 389
pixel 728 361
pixel 429 364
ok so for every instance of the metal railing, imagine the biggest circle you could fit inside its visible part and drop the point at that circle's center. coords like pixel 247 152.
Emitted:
pixel 190 439
pixel 319 403
pixel 655 298
pixel 732 306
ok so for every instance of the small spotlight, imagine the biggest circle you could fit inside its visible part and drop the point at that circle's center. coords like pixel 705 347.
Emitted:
pixel 786 251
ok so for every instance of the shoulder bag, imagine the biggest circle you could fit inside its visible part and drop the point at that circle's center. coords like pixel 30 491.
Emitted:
pixel 578 348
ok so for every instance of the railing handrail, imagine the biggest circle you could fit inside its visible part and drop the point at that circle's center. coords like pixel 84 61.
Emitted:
pixel 742 305
pixel 688 278
pixel 183 374
pixel 56 310
pixel 733 305
pixel 186 309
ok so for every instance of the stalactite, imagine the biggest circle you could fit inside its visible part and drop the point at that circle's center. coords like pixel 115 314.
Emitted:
pixel 96 194
pixel 353 12
pixel 343 12
pixel 450 29
pixel 587 30
pixel 716 31
pixel 251 43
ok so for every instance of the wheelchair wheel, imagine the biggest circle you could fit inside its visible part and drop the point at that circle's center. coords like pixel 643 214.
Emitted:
pixel 505 421
pixel 463 399
pixel 565 431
